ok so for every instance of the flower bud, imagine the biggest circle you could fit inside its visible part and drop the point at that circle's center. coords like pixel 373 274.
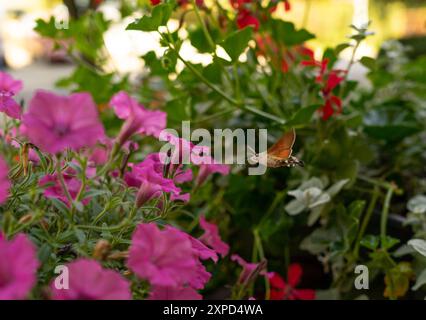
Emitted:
pixel 101 249
pixel 26 218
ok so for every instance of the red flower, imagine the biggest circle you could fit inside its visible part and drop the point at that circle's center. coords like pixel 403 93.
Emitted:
pixel 245 19
pixel 287 5
pixel 155 2
pixel 329 81
pixel 328 110
pixel 282 290
pixel 332 81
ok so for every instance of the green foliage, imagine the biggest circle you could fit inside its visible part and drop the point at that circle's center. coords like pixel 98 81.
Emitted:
pixel 237 42
pixel 330 209
pixel 159 17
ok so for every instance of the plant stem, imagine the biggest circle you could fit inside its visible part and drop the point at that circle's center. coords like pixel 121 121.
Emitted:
pixel 63 184
pixel 258 242
pixel 349 67
pixel 203 26
pixel 366 220
pixel 236 103
pixel 385 213
pixel 237 83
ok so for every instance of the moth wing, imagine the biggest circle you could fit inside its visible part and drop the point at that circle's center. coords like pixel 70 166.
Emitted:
pixel 283 147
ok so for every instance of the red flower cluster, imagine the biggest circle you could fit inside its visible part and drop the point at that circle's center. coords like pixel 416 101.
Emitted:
pixel 246 12
pixel 329 80
pixel 283 58
pixel 282 290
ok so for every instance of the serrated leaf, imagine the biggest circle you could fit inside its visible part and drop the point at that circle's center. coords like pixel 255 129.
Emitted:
pixel 285 32
pixel 389 242
pixel 371 242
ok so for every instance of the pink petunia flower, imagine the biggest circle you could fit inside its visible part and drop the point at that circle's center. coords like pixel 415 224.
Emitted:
pixel 18 267
pixel 4 181
pixel 174 293
pixel 54 188
pixel 89 281
pixel 282 290
pixel 148 177
pixel 163 257
pixel 212 238
pixel 208 169
pixel 201 250
pixel 9 87
pixel 55 123
pixel 138 119
pixel 152 186
pixel 99 154
pixel 180 150
pixel 250 269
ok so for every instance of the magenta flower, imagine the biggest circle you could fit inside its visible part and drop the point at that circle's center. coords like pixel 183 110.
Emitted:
pixel 100 153
pixel 201 251
pixel 152 186
pixel 54 188
pixel 208 169
pixel 250 270
pixel 4 181
pixel 212 238
pixel 174 293
pixel 89 281
pixel 180 152
pixel 18 267
pixel 138 119
pixel 200 276
pixel 9 87
pixel 148 177
pixel 163 257
pixel 55 123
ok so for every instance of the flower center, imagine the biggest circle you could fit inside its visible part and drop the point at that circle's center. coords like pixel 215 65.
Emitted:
pixel 62 130
pixel 5 278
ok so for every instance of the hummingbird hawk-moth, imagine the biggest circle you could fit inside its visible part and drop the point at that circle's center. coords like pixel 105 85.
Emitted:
pixel 280 154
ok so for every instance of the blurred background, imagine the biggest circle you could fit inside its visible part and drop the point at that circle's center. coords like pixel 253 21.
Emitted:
pixel 31 59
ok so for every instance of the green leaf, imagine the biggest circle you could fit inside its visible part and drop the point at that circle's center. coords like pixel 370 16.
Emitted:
pixel 419 245
pixel 285 32
pixel 420 281
pixel 339 48
pixel 159 17
pixel 177 110
pixel 303 116
pixel 389 242
pixel 44 252
pixel 368 62
pixel 371 242
pixel 48 29
pixel 81 236
pixel 237 42
pixel 199 40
